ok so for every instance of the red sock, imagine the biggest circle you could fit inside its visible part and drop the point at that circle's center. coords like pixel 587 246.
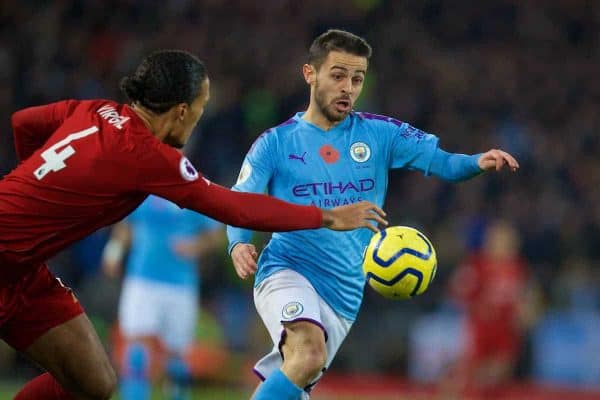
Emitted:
pixel 43 387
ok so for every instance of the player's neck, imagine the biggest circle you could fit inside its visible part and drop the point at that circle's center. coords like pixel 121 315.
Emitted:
pixel 316 117
pixel 153 123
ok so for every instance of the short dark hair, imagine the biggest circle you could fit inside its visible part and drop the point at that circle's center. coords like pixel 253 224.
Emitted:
pixel 164 79
pixel 337 40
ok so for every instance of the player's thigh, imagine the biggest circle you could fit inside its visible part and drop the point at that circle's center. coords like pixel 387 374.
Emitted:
pixel 287 298
pixel 73 353
pixel 283 298
pixel 47 323
pixel 181 314
pixel 140 308
pixel 33 305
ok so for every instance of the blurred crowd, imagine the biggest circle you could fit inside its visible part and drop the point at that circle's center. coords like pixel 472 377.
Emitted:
pixel 519 75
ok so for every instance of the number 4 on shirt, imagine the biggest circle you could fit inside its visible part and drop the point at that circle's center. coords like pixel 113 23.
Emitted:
pixel 55 160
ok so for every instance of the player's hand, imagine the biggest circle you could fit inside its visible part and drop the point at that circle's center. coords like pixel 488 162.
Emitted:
pixel 496 159
pixel 352 216
pixel 244 257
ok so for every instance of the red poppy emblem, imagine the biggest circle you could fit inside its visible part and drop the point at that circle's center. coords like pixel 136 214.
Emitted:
pixel 329 154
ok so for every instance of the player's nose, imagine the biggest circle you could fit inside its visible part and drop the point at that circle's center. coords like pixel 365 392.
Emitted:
pixel 348 87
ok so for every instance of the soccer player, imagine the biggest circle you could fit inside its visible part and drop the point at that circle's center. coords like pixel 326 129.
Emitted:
pixel 87 164
pixel 309 284
pixel 491 286
pixel 160 298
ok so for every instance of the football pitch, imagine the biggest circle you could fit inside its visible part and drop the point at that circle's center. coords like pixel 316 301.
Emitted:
pixel 7 393
pixel 372 391
pixel 8 390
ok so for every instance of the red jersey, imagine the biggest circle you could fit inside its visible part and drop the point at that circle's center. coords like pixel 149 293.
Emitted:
pixel 87 164
pixel 492 291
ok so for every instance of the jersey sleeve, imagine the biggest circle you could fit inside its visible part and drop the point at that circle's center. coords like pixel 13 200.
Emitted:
pixel 415 149
pixel 165 172
pixel 454 167
pixel 34 125
pixel 255 174
pixel 411 148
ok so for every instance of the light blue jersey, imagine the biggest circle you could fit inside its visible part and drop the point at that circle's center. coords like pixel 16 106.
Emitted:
pixel 157 225
pixel 301 163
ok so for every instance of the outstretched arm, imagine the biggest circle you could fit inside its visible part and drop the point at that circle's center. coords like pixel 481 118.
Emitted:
pixel 414 149
pixel 268 214
pixel 164 172
pixel 455 167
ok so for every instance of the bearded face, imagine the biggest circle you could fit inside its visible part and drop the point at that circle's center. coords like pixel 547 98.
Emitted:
pixel 334 109
pixel 337 84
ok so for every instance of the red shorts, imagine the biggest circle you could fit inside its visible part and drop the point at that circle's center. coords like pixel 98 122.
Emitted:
pixel 33 305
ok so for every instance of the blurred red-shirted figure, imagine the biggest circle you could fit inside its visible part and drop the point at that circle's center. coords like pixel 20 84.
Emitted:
pixel 87 164
pixel 491 286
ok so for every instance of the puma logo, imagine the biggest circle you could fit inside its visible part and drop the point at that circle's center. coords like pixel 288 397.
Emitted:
pixel 299 158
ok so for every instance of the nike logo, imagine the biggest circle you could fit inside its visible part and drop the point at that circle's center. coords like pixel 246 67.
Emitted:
pixel 299 158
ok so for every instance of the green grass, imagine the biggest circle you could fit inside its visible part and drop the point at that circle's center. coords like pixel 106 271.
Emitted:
pixel 8 390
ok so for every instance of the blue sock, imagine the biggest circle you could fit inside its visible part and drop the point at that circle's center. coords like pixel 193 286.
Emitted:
pixel 178 370
pixel 278 387
pixel 180 379
pixel 135 384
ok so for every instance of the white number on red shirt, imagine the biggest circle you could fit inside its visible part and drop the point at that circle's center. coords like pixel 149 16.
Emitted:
pixel 55 160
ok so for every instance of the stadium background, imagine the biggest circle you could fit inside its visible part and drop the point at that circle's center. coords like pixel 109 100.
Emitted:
pixel 520 75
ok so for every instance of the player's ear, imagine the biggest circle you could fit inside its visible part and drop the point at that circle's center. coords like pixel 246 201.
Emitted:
pixel 309 73
pixel 182 109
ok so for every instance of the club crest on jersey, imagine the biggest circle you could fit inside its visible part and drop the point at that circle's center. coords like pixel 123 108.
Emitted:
pixel 292 309
pixel 245 173
pixel 360 152
pixel 187 170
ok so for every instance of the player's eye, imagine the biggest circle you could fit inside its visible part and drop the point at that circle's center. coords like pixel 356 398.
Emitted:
pixel 358 80
pixel 337 77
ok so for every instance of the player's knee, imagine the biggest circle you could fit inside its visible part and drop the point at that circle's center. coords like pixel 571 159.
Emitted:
pixel 312 361
pixel 307 356
pixel 304 367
